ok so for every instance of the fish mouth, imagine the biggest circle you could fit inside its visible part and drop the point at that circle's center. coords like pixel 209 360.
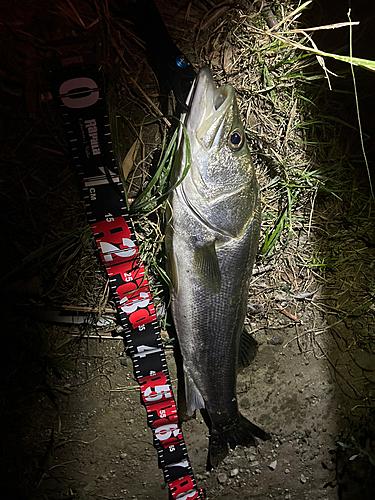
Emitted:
pixel 208 108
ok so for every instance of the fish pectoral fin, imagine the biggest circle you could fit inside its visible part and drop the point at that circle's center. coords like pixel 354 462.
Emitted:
pixel 206 266
pixel 194 400
pixel 173 272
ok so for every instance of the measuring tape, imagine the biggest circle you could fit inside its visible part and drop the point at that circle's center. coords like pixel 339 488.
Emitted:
pixel 77 87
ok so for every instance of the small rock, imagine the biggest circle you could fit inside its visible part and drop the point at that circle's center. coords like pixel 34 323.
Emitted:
pixel 221 478
pixel 276 340
pixel 273 465
pixel 233 472
pixel 258 471
pixel 123 455
pixel 287 471
pixel 302 479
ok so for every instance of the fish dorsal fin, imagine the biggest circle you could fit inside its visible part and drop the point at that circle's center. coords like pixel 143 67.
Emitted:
pixel 247 349
pixel 206 266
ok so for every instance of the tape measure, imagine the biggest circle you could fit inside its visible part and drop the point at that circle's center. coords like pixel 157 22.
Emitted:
pixel 77 87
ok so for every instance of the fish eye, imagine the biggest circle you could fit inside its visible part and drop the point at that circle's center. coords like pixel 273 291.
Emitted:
pixel 236 139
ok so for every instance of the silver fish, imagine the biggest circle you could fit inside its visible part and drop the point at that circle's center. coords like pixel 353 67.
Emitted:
pixel 211 240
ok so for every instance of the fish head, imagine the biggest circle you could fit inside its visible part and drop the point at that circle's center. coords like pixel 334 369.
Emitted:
pixel 213 120
pixel 221 185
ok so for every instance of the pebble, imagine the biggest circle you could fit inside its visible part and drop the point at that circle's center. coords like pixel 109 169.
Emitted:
pixel 273 465
pixel 233 472
pixel 221 478
pixel 287 471
pixel 276 340
pixel 123 455
pixel 303 479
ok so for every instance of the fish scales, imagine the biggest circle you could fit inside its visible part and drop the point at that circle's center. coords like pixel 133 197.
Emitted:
pixel 211 241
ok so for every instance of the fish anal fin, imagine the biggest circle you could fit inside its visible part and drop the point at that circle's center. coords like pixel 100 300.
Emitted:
pixel 247 349
pixel 206 266
pixel 194 399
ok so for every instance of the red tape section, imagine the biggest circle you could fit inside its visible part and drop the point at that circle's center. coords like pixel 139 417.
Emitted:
pixel 78 90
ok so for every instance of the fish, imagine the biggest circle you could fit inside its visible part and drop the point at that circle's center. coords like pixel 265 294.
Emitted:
pixel 211 240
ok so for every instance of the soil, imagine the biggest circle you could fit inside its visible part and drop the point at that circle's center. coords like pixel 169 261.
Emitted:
pixel 290 394
pixel 102 448
pixel 86 437
pixel 71 418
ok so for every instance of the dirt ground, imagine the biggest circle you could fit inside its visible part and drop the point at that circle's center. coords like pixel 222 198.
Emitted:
pixel 100 447
pixel 105 450
pixel 71 418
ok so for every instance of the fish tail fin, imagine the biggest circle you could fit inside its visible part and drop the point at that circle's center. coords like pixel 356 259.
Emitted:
pixel 243 433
